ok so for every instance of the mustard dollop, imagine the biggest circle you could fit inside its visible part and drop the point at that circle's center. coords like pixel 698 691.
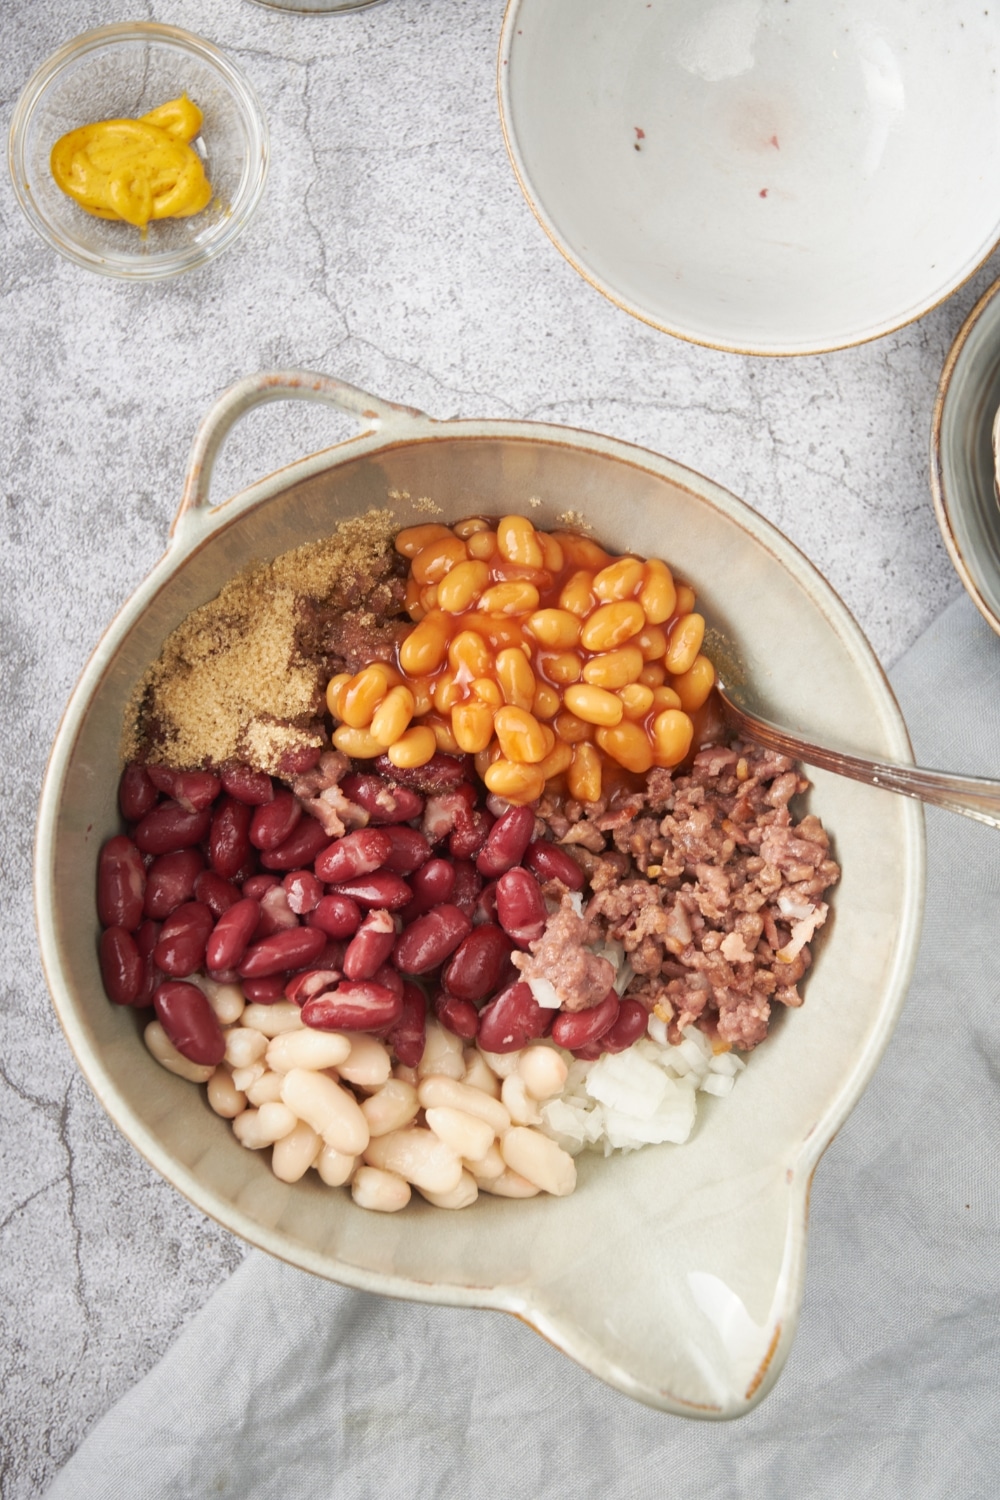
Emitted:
pixel 136 170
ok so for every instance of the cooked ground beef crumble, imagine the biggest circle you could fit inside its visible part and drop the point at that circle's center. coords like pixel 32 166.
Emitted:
pixel 708 883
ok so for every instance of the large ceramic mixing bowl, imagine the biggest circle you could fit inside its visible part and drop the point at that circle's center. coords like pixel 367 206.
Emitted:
pixel 674 1273
pixel 761 176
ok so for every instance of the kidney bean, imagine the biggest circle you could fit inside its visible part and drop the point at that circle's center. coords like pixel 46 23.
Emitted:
pixel 370 946
pixel 380 889
pixel 429 940
pixel 390 979
pixel 170 880
pixel 486 905
pixel 384 801
pixel 291 949
pixel 520 906
pixel 183 936
pixel 232 934
pixel 253 787
pixel 409 849
pixel 457 1016
pixel 299 849
pixel 169 827
pixel 359 1006
pixel 477 964
pixel 628 1028
pixel 513 1019
pixel 121 884
pixel 265 991
pixel 299 759
pixel 431 884
pixel 303 890
pixel 136 793
pixel 190 1022
pixel 408 1034
pixel 338 916
pixel 275 913
pixel 147 936
pixel 549 862
pixel 258 885
pixel 309 983
pixel 193 790
pixel 509 838
pixel 437 774
pixel 358 853
pixel 272 822
pixel 217 894
pixel 573 1029
pixel 468 884
pixel 470 833
pixel 229 844
pixel 122 965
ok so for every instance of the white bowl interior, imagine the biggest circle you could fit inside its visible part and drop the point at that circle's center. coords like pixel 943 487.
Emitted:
pixel 125 71
pixel 758 175
pixel 673 1273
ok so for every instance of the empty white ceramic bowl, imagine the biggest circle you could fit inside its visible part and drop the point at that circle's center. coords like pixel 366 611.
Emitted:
pixel 758 175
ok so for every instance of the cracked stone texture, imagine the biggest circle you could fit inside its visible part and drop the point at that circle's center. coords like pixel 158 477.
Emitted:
pixel 393 248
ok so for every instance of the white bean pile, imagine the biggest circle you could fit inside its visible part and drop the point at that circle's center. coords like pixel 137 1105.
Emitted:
pixel 459 1123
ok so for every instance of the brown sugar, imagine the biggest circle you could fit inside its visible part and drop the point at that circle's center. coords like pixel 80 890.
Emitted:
pixel 243 677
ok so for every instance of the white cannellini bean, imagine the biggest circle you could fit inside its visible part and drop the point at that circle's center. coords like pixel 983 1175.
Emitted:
pixel 478 1073
pixel 307 1049
pixel 448 1093
pixel 168 1057
pixel 523 1109
pixel 245 1078
pixel 274 1019
pixel 500 1063
pixel 405 1074
pixel 223 1095
pixel 257 1128
pixel 244 1045
pixel 488 1167
pixel 391 1107
pixel 266 1089
pixel 227 1000
pixel 467 1192
pixel 369 1064
pixel 464 1133
pixel 543 1070
pixel 509 1185
pixel 384 1192
pixel 442 1053
pixel 540 1160
pixel 334 1167
pixel 331 1111
pixel 418 1156
pixel 295 1153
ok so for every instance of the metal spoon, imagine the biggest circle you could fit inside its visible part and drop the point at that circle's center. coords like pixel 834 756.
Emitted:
pixel 974 796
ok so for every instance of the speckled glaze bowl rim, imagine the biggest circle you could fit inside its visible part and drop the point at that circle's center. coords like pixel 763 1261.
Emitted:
pixel 386 428
pixel 600 284
pixel 947 497
pixel 159 265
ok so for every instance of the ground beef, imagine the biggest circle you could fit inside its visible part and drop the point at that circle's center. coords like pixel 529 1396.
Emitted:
pixel 564 958
pixel 709 884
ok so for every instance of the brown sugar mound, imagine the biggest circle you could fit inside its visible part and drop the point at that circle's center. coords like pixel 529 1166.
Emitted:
pixel 243 678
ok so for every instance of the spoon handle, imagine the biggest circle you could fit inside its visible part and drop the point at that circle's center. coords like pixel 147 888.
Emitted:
pixel 973 796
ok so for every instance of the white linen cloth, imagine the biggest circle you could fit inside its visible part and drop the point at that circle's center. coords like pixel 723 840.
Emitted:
pixel 288 1387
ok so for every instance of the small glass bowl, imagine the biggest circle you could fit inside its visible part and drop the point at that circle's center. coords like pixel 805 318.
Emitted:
pixel 121 72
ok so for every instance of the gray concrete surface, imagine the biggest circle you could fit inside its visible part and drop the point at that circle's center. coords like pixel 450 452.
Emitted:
pixel 394 249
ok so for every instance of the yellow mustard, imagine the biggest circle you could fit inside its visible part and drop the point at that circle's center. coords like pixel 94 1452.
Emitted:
pixel 136 170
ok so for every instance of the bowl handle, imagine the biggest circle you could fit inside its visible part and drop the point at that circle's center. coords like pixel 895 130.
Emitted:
pixel 256 390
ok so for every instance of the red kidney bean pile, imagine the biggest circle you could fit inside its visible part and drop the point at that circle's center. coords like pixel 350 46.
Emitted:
pixel 417 912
